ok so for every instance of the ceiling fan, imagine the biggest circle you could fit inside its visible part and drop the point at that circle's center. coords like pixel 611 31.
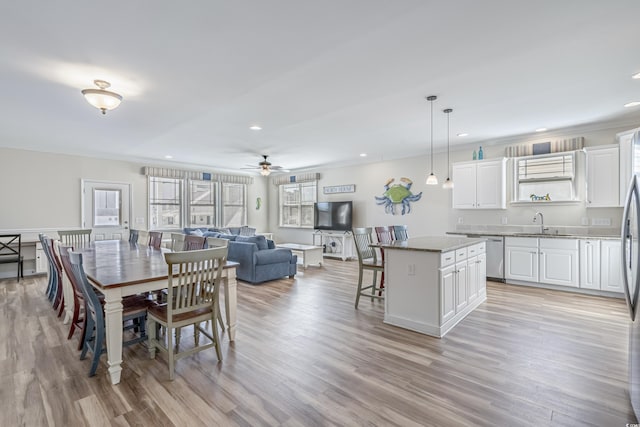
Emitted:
pixel 265 167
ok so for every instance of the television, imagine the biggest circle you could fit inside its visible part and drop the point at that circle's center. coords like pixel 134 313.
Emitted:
pixel 332 216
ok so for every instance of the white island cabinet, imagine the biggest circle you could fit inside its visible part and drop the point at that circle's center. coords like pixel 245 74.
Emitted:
pixel 432 283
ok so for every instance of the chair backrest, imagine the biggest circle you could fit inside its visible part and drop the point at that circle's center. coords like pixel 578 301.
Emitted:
pixel 400 232
pixel 195 282
pixel 92 302
pixel 133 235
pixel 217 242
pixel 66 266
pixel 75 238
pixel 65 273
pixel 247 231
pixel 363 238
pixel 155 239
pixel 143 237
pixel 56 268
pixel 384 234
pixel 193 243
pixel 177 242
pixel 10 248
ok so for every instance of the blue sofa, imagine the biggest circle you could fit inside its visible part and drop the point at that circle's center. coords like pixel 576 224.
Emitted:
pixel 259 260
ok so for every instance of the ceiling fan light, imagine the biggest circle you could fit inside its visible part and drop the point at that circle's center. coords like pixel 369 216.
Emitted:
pixel 265 171
pixel 102 99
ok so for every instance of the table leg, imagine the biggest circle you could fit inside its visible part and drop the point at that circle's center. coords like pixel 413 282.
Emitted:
pixel 113 325
pixel 230 301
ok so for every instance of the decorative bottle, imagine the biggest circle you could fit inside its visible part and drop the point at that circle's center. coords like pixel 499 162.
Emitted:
pixel 480 154
pixel 474 154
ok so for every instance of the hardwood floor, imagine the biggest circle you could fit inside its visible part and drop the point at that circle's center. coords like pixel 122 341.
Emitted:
pixel 304 356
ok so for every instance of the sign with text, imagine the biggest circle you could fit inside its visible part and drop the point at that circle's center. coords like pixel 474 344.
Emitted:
pixel 333 189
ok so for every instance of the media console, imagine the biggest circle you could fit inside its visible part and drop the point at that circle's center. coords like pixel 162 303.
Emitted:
pixel 335 244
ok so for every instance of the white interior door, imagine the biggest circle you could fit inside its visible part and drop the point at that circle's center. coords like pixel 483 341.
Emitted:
pixel 106 209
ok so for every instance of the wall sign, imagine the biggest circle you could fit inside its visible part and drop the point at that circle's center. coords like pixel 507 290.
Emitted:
pixel 333 189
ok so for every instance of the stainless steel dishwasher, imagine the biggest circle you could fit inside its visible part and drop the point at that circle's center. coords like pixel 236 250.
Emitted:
pixel 495 257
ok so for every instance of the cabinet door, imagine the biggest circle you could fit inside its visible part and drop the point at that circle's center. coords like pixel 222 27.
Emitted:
pixel 472 278
pixel 464 191
pixel 610 266
pixel 482 274
pixel 447 293
pixel 462 277
pixel 521 263
pixel 559 267
pixel 491 185
pixel 590 264
pixel 603 178
pixel 41 260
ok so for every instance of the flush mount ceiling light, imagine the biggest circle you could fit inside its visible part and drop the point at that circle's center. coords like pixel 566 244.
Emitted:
pixel 255 127
pixel 636 76
pixel 448 184
pixel 632 104
pixel 541 129
pixel 100 98
pixel 462 135
pixel 432 179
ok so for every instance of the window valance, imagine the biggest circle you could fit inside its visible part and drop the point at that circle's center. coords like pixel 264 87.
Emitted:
pixel 289 179
pixel 203 176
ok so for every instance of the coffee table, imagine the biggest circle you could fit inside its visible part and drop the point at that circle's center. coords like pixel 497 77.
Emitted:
pixel 310 254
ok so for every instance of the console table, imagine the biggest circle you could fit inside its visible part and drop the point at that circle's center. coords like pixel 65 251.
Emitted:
pixel 335 244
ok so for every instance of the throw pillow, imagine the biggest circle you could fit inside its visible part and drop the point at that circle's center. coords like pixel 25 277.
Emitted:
pixel 197 232
pixel 210 234
pixel 228 236
pixel 260 241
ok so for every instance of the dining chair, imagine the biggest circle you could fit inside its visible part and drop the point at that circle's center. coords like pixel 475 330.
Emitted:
pixel 384 235
pixel 56 294
pixel 192 243
pixel 11 252
pixel 367 260
pixel 217 242
pixel 94 333
pixel 50 284
pixel 69 300
pixel 177 242
pixel 133 235
pixel 194 290
pixel 75 238
pixel 400 232
pixel 155 239
pixel 143 237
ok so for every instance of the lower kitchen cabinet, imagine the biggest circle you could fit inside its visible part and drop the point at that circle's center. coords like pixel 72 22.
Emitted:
pixel 610 270
pixel 521 259
pixel 559 262
pixel 448 292
pixel 590 264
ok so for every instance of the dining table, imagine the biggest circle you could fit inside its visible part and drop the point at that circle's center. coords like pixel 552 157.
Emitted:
pixel 118 268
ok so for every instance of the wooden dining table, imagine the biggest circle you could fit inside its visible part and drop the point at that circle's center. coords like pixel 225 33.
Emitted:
pixel 118 268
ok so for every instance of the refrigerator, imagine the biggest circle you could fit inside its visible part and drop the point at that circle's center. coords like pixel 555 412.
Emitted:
pixel 630 257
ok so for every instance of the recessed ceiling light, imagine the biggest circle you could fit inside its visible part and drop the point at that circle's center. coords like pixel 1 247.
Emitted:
pixel 363 154
pixel 636 76
pixel 463 134
pixel 255 127
pixel 632 104
pixel 168 156
pixel 541 129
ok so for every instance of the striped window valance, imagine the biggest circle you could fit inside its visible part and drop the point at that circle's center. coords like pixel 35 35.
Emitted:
pixel 289 179
pixel 532 148
pixel 203 176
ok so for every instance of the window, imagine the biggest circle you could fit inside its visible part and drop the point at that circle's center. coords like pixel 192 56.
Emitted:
pixel 106 208
pixel 165 203
pixel 234 205
pixel 202 203
pixel 296 204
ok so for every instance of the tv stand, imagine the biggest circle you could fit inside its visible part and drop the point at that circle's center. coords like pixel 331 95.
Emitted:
pixel 335 244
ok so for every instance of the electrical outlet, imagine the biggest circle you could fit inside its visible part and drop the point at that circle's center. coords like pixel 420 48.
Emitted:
pixel 460 220
pixel 601 221
pixel 504 220
pixel 585 220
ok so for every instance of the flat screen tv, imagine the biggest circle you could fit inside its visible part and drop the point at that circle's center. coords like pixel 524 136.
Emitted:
pixel 333 216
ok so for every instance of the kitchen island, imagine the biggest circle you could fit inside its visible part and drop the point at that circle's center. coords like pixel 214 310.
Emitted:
pixel 432 283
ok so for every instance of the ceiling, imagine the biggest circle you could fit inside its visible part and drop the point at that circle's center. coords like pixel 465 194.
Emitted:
pixel 326 80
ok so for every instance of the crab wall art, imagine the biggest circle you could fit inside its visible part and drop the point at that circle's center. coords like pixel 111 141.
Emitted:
pixel 398 194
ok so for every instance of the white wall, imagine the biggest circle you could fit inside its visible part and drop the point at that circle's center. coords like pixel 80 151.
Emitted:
pixel 41 191
pixel 432 214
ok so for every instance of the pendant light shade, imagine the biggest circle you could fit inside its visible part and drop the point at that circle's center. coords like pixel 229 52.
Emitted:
pixel 432 179
pixel 448 184
pixel 102 99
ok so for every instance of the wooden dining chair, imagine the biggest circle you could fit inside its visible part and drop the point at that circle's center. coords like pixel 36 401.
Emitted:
pixel 143 237
pixel 94 333
pixel 217 242
pixel 11 252
pixel 367 260
pixel 155 239
pixel 194 290
pixel 177 242
pixel 50 284
pixel 69 300
pixel 56 296
pixel 193 243
pixel 400 232
pixel 133 235
pixel 75 238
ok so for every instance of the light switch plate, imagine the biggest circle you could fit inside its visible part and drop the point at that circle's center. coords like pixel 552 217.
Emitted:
pixel 504 220
pixel 460 220
pixel 585 220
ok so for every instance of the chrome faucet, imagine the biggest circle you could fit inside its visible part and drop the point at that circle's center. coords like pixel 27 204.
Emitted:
pixel 535 217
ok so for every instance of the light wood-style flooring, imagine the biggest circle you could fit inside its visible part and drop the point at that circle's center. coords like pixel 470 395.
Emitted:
pixel 304 357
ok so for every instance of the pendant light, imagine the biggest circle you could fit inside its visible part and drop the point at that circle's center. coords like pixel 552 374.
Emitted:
pixel 432 179
pixel 448 184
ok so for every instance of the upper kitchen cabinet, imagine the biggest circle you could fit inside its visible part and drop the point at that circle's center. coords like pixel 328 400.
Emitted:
pixel 480 184
pixel 603 165
pixel 629 143
pixel 545 178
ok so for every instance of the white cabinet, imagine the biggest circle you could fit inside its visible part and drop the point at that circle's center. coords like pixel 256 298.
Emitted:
pixel 629 145
pixel 461 285
pixel 41 260
pixel 482 275
pixel 480 184
pixel 603 176
pixel 334 244
pixel 610 266
pixel 552 261
pixel 448 293
pixel 590 264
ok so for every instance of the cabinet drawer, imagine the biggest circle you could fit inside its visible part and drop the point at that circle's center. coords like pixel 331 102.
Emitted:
pixel 474 250
pixel 447 258
pixel 556 243
pixel 461 254
pixel 527 242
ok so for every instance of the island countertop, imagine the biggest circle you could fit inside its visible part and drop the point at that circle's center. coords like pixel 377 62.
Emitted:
pixel 430 243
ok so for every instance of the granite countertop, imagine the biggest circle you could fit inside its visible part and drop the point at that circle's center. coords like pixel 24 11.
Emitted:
pixel 532 234
pixel 430 244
